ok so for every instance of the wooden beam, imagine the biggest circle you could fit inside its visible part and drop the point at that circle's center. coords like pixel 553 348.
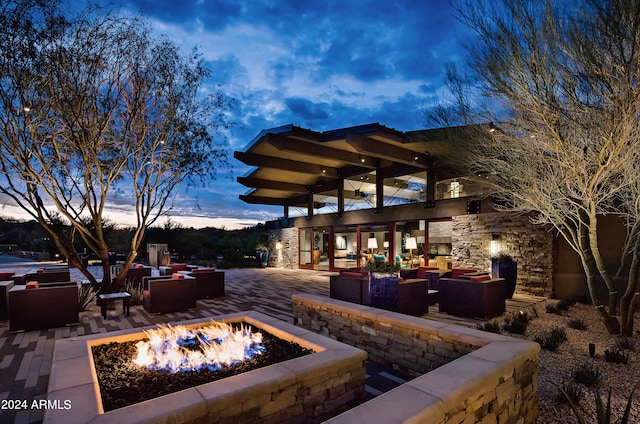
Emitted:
pixel 388 151
pixel 273 185
pixel 311 167
pixel 320 150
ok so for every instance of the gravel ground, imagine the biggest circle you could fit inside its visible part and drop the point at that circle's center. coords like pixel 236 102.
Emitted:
pixel 555 368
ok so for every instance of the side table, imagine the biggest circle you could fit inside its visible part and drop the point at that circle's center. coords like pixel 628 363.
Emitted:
pixel 106 299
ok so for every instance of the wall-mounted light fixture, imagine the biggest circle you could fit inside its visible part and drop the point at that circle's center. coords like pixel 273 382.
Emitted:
pixel 494 244
pixel 279 245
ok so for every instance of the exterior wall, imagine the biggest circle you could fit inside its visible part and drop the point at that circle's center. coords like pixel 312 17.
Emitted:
pixel 478 376
pixel 287 257
pixel 532 246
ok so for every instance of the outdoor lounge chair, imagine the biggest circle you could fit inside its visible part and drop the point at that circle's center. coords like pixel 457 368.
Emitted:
pixel 169 294
pixel 47 305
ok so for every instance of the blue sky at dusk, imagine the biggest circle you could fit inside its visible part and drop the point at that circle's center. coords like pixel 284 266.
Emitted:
pixel 315 64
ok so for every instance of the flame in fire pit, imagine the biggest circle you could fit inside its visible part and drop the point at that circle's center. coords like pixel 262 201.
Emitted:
pixel 179 349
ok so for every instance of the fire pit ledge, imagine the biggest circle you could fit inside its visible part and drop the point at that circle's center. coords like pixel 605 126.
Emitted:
pixel 332 379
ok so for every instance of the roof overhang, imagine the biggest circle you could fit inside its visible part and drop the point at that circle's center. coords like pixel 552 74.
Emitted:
pixel 292 162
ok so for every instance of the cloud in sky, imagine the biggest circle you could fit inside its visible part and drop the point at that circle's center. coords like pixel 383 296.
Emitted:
pixel 321 65
pixel 318 64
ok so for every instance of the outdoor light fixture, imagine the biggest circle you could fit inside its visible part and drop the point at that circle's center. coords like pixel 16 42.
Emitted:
pixel 494 244
pixel 385 244
pixel 278 245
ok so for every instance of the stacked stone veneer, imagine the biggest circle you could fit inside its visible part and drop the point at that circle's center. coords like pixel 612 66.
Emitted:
pixel 469 376
pixel 532 246
pixel 287 257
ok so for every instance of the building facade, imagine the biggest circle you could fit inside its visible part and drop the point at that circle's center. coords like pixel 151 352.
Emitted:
pixel 370 191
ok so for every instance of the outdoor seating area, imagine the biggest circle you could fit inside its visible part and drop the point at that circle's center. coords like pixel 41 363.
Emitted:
pixel 264 290
pixel 462 292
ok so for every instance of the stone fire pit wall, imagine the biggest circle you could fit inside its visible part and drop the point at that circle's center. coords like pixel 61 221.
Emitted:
pixel 309 389
pixel 464 375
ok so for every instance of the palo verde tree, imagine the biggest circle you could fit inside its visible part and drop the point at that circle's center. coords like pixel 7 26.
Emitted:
pixel 94 108
pixel 559 83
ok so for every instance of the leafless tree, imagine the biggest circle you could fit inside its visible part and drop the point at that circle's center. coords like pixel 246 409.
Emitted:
pixel 93 105
pixel 559 83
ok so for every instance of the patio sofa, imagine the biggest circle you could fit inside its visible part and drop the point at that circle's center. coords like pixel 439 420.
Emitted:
pixel 135 273
pixel 40 306
pixel 478 296
pixel 209 282
pixel 43 275
pixel 164 294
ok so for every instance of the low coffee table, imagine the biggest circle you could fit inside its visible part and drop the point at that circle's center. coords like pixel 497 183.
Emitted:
pixel 106 299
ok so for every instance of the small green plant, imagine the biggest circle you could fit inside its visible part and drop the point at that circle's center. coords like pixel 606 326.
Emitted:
pixel 489 326
pixel 135 290
pixel 570 392
pixel 577 324
pixel 587 374
pixel 616 355
pixel 559 306
pixel 563 304
pixel 625 343
pixel 516 323
pixel 381 266
pixel 603 412
pixel 552 308
pixel 86 296
pixel 552 339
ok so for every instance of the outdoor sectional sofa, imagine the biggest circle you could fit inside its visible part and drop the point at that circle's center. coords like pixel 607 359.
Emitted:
pixel 353 286
pixel 164 294
pixel 56 274
pixel 49 305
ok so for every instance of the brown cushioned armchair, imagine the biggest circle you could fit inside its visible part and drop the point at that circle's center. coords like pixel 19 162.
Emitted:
pixel 209 282
pixel 350 286
pixel 48 306
pixel 167 294
pixel 475 297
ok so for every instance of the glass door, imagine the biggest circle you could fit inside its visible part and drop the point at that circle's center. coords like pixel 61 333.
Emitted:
pixel 305 248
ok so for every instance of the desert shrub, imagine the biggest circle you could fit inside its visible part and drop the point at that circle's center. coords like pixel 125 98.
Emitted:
pixel 516 323
pixel 604 413
pixel 616 355
pixel 559 306
pixel 135 290
pixel 564 304
pixel 569 392
pixel 625 343
pixel 587 374
pixel 86 296
pixel 552 339
pixel 490 326
pixel 577 324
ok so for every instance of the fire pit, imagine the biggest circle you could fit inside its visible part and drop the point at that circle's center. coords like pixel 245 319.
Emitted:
pixel 177 358
pixel 310 388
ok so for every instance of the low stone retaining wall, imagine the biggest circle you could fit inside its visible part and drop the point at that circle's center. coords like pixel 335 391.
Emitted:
pixel 468 376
